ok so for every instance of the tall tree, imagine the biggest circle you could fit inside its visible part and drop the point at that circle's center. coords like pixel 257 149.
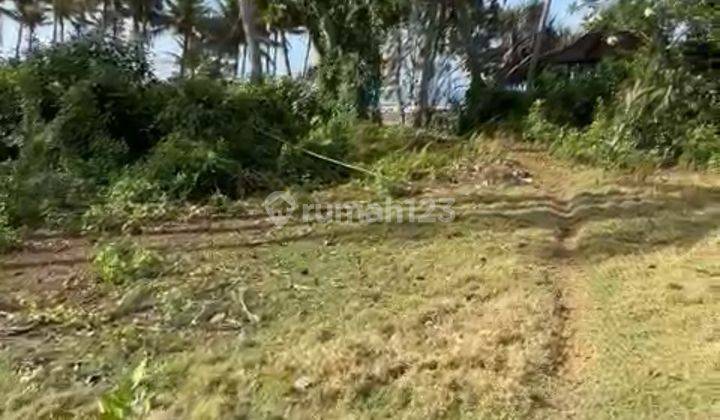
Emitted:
pixel 29 14
pixel 348 35
pixel 250 20
pixel 539 40
pixel 224 34
pixel 185 17
pixel 145 15
pixel 63 11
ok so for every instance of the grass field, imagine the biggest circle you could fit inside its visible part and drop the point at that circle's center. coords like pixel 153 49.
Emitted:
pixel 583 294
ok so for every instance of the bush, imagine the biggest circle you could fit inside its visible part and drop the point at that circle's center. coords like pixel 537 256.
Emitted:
pixel 244 120
pixel 8 235
pixel 702 147
pixel 491 105
pixel 121 262
pixel 663 116
pixel 50 72
pixel 191 170
pixel 537 128
pixel 10 114
pixel 125 205
pixel 571 99
pixel 39 188
pixel 332 140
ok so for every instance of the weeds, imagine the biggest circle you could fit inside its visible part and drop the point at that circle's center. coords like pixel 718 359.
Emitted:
pixel 126 205
pixel 124 262
pixel 129 399
pixel 9 238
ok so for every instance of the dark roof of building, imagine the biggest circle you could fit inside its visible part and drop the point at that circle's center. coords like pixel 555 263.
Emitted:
pixel 590 48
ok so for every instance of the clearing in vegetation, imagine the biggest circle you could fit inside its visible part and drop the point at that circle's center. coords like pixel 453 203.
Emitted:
pixel 142 277
pixel 581 294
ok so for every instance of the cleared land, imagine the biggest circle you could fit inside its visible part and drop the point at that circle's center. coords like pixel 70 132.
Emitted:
pixel 581 295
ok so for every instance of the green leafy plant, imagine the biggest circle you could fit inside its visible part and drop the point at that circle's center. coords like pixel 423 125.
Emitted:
pixel 123 261
pixel 8 235
pixel 126 205
pixel 333 140
pixel 129 399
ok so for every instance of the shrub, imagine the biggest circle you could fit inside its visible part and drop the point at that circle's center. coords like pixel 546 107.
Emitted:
pixel 402 167
pixel 492 104
pixel 191 170
pixel 8 235
pixel 240 118
pixel 121 262
pixel 372 142
pixel 331 140
pixel 302 107
pixel 128 399
pixel 702 147
pixel 662 116
pixel 10 113
pixel 125 205
pixel 40 189
pixel 50 72
pixel 571 99
pixel 537 128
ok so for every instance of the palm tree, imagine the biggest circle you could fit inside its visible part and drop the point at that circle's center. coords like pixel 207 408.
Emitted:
pixel 225 32
pixel 62 11
pixel 27 13
pixel 144 14
pixel 249 15
pixel 33 14
pixel 185 17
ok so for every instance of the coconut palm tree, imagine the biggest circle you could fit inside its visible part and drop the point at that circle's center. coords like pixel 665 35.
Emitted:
pixel 250 20
pixel 225 34
pixel 63 11
pixel 28 14
pixel 145 15
pixel 185 17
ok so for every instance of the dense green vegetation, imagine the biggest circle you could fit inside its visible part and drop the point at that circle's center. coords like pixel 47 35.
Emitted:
pixel 93 140
pixel 659 106
pixel 86 129
pixel 94 123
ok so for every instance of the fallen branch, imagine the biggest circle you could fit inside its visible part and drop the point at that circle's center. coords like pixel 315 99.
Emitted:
pixel 240 297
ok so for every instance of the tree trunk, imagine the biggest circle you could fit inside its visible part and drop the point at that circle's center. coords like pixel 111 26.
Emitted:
pixel 428 64
pixel 62 30
pixel 539 39
pixel 19 40
pixel 136 29
pixel 286 53
pixel 248 14
pixel 268 69
pixel 465 29
pixel 115 20
pixel 276 38
pixel 243 70
pixel 105 14
pixel 55 27
pixel 183 57
pixel 306 65
pixel 31 38
pixel 398 76
pixel 236 67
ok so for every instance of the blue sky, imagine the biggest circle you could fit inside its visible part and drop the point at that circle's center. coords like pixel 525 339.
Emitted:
pixel 165 45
